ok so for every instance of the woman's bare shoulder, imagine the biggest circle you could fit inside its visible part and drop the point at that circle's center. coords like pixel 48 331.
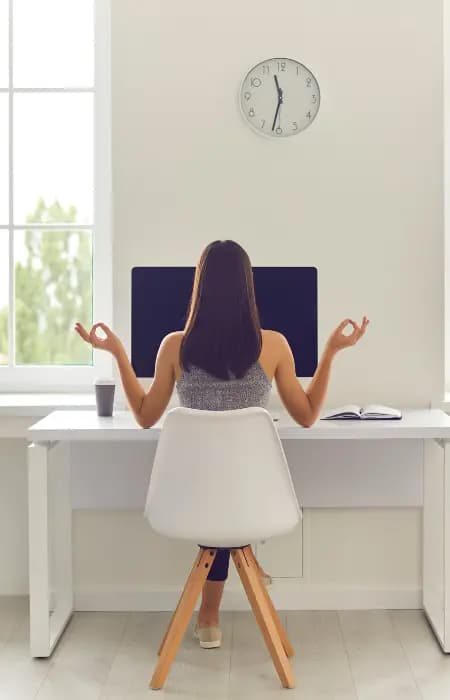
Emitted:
pixel 273 338
pixel 171 343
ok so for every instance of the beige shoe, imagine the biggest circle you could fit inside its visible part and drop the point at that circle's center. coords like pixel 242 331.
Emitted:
pixel 266 579
pixel 209 637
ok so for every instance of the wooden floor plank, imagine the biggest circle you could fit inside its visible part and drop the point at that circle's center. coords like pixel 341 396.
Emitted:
pixel 430 666
pixel 81 663
pixel 196 672
pixel 354 655
pixel 321 662
pixel 378 662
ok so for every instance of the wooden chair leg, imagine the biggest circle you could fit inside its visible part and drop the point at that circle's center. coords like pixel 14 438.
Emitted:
pixel 180 621
pixel 253 586
pixel 288 648
pixel 193 570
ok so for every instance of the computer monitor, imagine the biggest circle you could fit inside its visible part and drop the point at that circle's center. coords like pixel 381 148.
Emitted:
pixel 286 298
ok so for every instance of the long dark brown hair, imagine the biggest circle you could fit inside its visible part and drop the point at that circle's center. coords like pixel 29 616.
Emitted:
pixel 223 331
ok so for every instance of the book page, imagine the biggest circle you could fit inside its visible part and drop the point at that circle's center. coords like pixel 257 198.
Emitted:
pixel 351 410
pixel 379 410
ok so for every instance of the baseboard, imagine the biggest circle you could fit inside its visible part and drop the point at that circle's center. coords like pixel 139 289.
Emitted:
pixel 286 594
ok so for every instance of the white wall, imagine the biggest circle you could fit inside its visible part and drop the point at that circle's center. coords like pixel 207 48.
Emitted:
pixel 13 518
pixel 359 194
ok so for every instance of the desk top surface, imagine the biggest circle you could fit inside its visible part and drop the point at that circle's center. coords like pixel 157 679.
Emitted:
pixel 82 426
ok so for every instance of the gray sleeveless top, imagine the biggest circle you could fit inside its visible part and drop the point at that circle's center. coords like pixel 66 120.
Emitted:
pixel 199 389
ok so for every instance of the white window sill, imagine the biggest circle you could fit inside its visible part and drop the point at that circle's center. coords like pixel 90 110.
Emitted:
pixel 12 405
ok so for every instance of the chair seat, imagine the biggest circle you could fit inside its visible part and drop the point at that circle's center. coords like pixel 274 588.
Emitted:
pixel 228 546
pixel 221 477
pixel 223 538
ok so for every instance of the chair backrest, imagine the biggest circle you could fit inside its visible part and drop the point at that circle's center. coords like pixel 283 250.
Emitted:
pixel 220 478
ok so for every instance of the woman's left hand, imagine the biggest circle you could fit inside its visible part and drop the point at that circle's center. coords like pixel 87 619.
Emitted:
pixel 110 342
pixel 338 340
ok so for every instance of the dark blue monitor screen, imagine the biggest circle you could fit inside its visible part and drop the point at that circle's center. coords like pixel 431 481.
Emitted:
pixel 286 299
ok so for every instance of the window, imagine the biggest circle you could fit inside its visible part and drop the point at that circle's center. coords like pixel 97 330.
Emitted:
pixel 54 190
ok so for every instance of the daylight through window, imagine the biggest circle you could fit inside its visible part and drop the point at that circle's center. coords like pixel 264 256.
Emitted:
pixel 47 102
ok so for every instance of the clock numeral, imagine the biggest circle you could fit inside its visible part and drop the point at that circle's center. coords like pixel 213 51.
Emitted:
pixel 266 70
pixel 294 126
pixel 308 114
pixel 263 121
pixel 247 95
pixel 255 82
pixel 278 130
pixel 251 112
pixel 299 68
pixel 281 66
pixel 314 99
pixel 308 82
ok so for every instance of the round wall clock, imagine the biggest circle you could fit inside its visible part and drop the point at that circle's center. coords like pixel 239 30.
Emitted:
pixel 279 97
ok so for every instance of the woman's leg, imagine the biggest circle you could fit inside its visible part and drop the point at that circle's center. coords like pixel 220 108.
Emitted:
pixel 208 615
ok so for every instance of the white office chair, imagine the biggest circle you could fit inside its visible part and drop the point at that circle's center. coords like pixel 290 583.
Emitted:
pixel 220 478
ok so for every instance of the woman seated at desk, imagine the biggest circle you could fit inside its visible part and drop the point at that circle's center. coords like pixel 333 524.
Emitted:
pixel 223 360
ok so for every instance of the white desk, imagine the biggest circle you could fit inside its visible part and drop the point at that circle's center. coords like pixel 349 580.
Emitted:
pixel 50 516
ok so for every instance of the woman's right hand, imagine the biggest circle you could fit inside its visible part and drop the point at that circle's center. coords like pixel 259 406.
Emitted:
pixel 110 342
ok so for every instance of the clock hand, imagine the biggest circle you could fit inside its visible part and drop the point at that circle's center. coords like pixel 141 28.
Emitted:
pixel 279 90
pixel 280 101
pixel 277 86
pixel 276 115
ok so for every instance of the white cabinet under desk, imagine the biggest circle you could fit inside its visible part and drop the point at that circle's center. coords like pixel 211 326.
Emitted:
pixel 420 439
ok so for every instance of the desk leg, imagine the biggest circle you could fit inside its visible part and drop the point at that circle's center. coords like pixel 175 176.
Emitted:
pixel 50 545
pixel 436 539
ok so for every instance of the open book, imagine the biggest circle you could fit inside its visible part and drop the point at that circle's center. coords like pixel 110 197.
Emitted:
pixel 371 412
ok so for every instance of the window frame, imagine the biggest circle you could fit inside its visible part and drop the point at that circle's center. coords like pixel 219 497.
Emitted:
pixel 446 173
pixel 51 378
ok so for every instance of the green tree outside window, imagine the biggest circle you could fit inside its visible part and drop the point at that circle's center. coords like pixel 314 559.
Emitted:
pixel 53 289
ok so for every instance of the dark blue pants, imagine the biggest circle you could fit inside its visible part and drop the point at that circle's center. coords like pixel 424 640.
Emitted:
pixel 219 568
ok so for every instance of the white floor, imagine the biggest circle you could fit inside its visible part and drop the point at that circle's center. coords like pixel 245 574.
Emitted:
pixel 377 655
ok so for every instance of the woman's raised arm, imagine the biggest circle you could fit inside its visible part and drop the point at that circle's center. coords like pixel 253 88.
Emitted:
pixel 147 407
pixel 305 406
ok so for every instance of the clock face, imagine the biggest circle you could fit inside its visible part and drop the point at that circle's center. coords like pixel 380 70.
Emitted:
pixel 279 97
